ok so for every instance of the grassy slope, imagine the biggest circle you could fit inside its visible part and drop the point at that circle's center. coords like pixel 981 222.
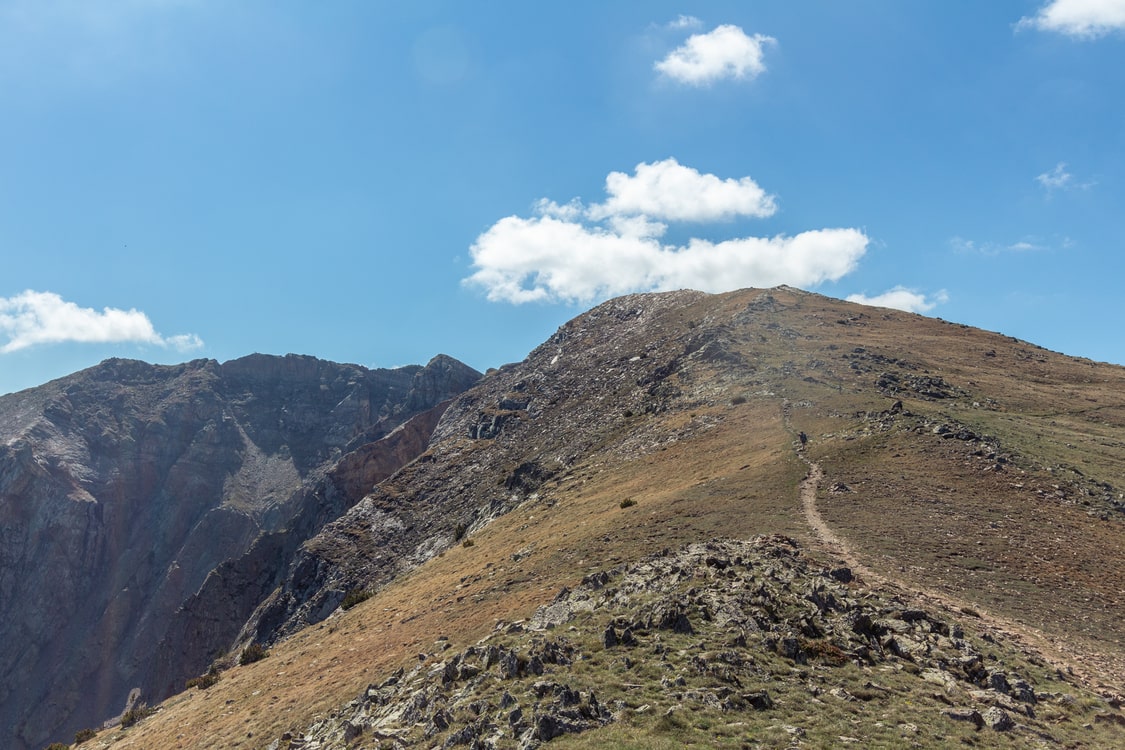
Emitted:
pixel 921 510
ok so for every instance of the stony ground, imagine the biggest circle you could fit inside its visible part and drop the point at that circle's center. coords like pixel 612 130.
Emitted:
pixel 732 643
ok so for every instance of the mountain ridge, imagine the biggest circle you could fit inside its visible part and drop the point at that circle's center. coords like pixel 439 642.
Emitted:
pixel 953 460
pixel 124 485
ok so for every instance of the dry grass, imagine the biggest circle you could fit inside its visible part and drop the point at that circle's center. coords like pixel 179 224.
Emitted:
pixel 735 480
pixel 921 511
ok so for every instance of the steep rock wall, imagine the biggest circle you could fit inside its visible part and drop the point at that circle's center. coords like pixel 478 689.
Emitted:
pixel 124 486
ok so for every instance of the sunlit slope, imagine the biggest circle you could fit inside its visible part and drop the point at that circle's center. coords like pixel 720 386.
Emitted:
pixel 954 460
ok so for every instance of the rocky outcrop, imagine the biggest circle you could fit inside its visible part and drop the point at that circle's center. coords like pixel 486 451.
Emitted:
pixel 750 631
pixel 146 504
pixel 520 426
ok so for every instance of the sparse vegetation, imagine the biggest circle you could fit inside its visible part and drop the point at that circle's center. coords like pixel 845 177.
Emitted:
pixel 354 597
pixel 252 653
pixel 135 714
pixel 737 400
pixel 206 680
pixel 468 543
pixel 84 734
pixel 887 477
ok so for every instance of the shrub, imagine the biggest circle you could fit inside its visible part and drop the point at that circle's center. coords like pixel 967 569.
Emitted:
pixel 58 746
pixel 459 532
pixel 468 543
pixel 135 714
pixel 252 653
pixel 825 651
pixel 84 734
pixel 628 502
pixel 354 597
pixel 204 681
pixel 738 400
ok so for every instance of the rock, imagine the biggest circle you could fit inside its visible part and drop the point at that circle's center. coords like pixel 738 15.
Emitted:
pixel 998 681
pixel 940 677
pixel 970 715
pixel 1021 690
pixel 998 719
pixel 759 700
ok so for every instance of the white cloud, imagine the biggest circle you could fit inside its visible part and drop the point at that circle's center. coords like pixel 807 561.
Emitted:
pixel 668 190
pixel 31 318
pixel 1060 179
pixel 725 52
pixel 573 253
pixel 901 298
pixel 1056 179
pixel 1078 18
pixel 962 245
pixel 685 22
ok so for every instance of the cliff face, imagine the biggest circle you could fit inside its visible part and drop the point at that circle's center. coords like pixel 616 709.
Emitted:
pixel 128 491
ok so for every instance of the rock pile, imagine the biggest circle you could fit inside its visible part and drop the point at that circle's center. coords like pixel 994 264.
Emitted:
pixel 752 629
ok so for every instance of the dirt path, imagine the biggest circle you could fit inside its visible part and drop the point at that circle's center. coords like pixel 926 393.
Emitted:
pixel 1090 667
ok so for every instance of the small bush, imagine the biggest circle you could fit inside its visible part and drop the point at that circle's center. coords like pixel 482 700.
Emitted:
pixel 459 532
pixel 58 746
pixel 354 597
pixel 628 413
pixel 738 400
pixel 204 681
pixel 468 543
pixel 628 502
pixel 84 734
pixel 825 651
pixel 252 653
pixel 135 714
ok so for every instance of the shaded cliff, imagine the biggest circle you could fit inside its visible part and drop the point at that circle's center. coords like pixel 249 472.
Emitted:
pixel 123 487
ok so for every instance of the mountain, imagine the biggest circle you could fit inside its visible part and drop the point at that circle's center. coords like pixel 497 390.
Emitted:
pixel 764 518
pixel 147 510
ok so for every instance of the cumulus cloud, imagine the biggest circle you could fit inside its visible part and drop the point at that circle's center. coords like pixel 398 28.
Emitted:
pixel 670 191
pixel 901 298
pixel 1084 19
pixel 576 253
pixel 31 318
pixel 725 52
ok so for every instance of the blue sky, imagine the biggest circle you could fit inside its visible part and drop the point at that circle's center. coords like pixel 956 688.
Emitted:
pixel 377 182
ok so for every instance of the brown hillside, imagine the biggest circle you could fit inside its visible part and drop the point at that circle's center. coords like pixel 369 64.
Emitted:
pixel 964 471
